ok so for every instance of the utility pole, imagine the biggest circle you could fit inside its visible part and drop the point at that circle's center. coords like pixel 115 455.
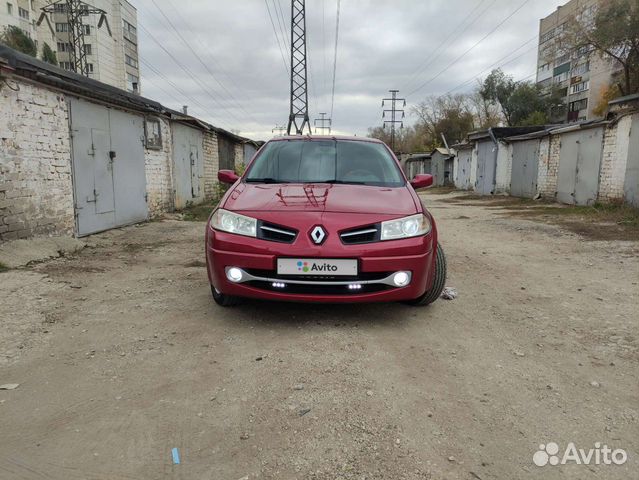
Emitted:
pixel 75 10
pixel 298 117
pixel 394 112
pixel 279 129
pixel 322 123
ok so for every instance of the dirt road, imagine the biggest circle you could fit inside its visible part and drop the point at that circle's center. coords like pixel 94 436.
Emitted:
pixel 121 356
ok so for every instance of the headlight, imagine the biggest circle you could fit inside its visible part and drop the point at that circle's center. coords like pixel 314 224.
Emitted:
pixel 406 227
pixel 233 223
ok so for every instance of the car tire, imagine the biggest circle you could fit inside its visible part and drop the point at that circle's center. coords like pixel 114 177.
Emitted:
pixel 223 300
pixel 438 283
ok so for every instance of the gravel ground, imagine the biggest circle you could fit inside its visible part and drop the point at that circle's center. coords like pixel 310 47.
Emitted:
pixel 121 355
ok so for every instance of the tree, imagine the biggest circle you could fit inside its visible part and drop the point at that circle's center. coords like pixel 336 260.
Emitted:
pixel 613 32
pixel 450 115
pixel 518 101
pixel 15 38
pixel 407 139
pixel 48 55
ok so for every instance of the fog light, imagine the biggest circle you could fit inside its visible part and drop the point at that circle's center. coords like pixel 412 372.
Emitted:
pixel 278 285
pixel 401 279
pixel 234 274
pixel 354 286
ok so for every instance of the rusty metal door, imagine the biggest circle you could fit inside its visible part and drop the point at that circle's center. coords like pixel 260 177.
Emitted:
pixel 523 182
pixel 579 164
pixel 631 183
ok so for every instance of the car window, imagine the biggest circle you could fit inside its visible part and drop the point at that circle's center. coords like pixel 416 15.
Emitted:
pixel 318 161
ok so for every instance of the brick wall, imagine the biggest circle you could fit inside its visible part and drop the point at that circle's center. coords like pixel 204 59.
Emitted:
pixel 159 173
pixel 504 168
pixel 36 193
pixel 239 156
pixel 548 167
pixel 614 160
pixel 211 164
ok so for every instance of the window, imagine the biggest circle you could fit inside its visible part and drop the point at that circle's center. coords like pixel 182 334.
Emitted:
pixel 59 7
pixel 64 47
pixel 23 13
pixel 561 77
pixel 320 161
pixel 581 69
pixel 545 83
pixel 132 82
pixel 87 49
pixel 578 105
pixel 61 27
pixel 580 87
pixel 67 66
pixel 544 68
pixel 132 62
pixel 87 29
pixel 153 133
pixel 9 9
pixel 89 68
pixel 130 32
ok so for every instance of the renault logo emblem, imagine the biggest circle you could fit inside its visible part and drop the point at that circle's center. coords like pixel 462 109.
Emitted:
pixel 318 235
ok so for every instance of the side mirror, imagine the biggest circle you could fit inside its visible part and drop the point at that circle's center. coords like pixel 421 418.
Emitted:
pixel 421 180
pixel 229 176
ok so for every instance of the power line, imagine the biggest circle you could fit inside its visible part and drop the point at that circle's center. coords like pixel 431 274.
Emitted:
pixel 206 67
pixel 437 52
pixel 277 38
pixel 189 73
pixel 335 57
pixel 497 63
pixel 279 14
pixel 470 49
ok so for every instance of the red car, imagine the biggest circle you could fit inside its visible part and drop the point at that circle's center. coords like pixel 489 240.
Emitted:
pixel 324 219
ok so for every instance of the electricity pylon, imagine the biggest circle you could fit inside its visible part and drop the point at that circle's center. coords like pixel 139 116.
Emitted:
pixel 394 112
pixel 298 118
pixel 323 121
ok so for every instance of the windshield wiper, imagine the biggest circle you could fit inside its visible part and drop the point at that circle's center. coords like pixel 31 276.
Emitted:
pixel 265 180
pixel 343 182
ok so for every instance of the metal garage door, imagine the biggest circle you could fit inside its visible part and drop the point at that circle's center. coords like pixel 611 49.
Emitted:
pixel 226 152
pixel 486 164
pixel 188 165
pixel 579 163
pixel 631 184
pixel 108 167
pixel 462 175
pixel 523 182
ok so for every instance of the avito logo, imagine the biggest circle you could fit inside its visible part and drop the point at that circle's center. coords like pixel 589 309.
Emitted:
pixel 315 267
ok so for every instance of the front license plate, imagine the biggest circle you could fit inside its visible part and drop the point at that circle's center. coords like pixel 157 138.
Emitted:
pixel 316 266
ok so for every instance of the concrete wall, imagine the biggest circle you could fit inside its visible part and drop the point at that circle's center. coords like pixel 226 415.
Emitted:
pixel 36 193
pixel 159 173
pixel 239 156
pixel 504 167
pixel 614 159
pixel 548 171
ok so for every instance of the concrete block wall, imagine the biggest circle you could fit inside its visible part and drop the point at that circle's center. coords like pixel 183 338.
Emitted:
pixel 504 168
pixel 159 173
pixel 548 168
pixel 239 156
pixel 36 192
pixel 614 160
pixel 211 164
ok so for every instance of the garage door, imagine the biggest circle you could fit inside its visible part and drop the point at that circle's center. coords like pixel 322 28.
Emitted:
pixel 523 182
pixel 462 175
pixel 108 167
pixel 486 163
pixel 579 163
pixel 631 185
pixel 188 165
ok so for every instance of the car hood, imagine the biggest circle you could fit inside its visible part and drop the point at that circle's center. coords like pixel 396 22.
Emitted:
pixel 321 198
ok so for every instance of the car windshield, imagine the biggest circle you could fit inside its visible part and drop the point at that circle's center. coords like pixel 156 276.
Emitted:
pixel 325 161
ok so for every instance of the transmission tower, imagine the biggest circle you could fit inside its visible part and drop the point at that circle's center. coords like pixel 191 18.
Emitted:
pixel 394 112
pixel 75 10
pixel 298 117
pixel 322 123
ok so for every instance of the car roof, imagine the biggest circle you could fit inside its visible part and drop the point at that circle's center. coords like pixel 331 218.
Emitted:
pixel 325 137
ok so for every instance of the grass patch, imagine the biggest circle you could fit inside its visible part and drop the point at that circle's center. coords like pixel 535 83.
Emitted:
pixel 3 267
pixel 198 213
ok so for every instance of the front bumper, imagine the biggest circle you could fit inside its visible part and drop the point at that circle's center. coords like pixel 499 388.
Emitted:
pixel 377 262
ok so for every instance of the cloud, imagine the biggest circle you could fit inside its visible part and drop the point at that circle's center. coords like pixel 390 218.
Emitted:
pixel 237 79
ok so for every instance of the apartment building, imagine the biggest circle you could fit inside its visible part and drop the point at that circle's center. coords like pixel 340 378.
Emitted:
pixel 111 51
pixel 579 75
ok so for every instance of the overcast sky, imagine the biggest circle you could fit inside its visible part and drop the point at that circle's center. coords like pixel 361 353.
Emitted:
pixel 241 82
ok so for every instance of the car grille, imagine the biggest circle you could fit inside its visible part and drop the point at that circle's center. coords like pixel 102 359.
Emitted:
pixel 368 234
pixel 275 233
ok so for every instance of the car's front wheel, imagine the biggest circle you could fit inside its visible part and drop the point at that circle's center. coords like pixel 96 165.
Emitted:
pixel 222 299
pixel 438 283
